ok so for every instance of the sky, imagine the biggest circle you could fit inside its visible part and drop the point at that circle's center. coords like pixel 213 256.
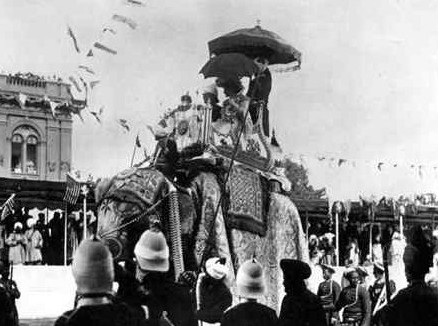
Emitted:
pixel 366 92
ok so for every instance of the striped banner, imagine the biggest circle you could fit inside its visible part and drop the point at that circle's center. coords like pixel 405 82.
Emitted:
pixel 8 207
pixel 72 190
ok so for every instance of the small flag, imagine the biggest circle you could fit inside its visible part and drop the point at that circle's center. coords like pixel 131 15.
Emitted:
pixel 102 47
pixel 106 29
pixel 137 142
pixel 73 37
pixel 87 69
pixel 52 105
pixel 379 166
pixel 75 83
pixel 22 98
pixel 124 124
pixel 135 3
pixel 72 190
pixel 341 161
pixel 94 83
pixel 125 20
pixel 8 207
pixel 274 141
pixel 97 115
pixel 90 53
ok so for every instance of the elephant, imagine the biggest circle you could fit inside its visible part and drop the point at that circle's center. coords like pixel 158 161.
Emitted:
pixel 196 223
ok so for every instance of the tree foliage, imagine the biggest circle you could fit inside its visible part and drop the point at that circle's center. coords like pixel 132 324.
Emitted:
pixel 298 176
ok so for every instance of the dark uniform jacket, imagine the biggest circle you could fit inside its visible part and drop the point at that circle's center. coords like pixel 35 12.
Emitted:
pixel 415 305
pixel 113 314
pixel 249 314
pixel 215 298
pixel 162 295
pixel 259 90
pixel 356 304
pixel 376 289
pixel 8 310
pixel 303 308
pixel 329 291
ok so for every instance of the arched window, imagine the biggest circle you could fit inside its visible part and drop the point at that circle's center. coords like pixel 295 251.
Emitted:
pixel 17 154
pixel 25 150
pixel 31 154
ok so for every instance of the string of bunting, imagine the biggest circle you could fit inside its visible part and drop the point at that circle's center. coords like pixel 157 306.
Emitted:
pixel 381 166
pixel 85 77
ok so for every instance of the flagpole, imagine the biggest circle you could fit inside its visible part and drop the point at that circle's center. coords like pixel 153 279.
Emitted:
pixel 65 236
pixel 133 152
pixel 85 192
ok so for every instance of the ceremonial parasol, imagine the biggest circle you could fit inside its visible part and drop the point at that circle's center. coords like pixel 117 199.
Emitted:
pixel 255 42
pixel 229 65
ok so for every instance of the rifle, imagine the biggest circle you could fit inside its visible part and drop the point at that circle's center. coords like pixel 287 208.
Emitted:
pixel 12 272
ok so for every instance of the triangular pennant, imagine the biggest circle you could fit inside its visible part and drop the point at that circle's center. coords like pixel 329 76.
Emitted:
pixel 75 83
pixel 102 47
pixel 90 53
pixel 124 124
pixel 379 166
pixel 87 69
pixel 341 161
pixel 128 21
pixel 73 37
pixel 110 30
pixel 22 98
pixel 94 83
pixel 137 141
pixel 135 3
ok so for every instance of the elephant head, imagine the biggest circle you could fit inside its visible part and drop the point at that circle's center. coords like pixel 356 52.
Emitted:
pixel 137 198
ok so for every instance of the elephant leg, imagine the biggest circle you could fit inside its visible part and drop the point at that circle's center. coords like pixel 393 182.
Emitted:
pixel 284 239
pixel 209 192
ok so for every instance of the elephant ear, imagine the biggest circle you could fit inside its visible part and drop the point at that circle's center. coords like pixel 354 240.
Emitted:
pixel 101 189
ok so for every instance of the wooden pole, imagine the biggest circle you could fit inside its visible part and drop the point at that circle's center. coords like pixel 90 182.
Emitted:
pixel 386 242
pixel 401 226
pixel 337 238
pixel 85 192
pixel 65 235
pixel 307 226
pixel 371 241
pixel 133 152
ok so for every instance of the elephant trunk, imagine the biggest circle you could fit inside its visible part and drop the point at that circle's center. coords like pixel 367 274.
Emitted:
pixel 175 233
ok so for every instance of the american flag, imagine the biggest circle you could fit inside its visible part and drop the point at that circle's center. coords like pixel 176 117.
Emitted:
pixel 72 190
pixel 8 207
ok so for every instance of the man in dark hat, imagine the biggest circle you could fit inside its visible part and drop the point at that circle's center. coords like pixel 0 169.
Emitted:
pixel 299 306
pixel 355 301
pixel 328 291
pixel 377 289
pixel 418 303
